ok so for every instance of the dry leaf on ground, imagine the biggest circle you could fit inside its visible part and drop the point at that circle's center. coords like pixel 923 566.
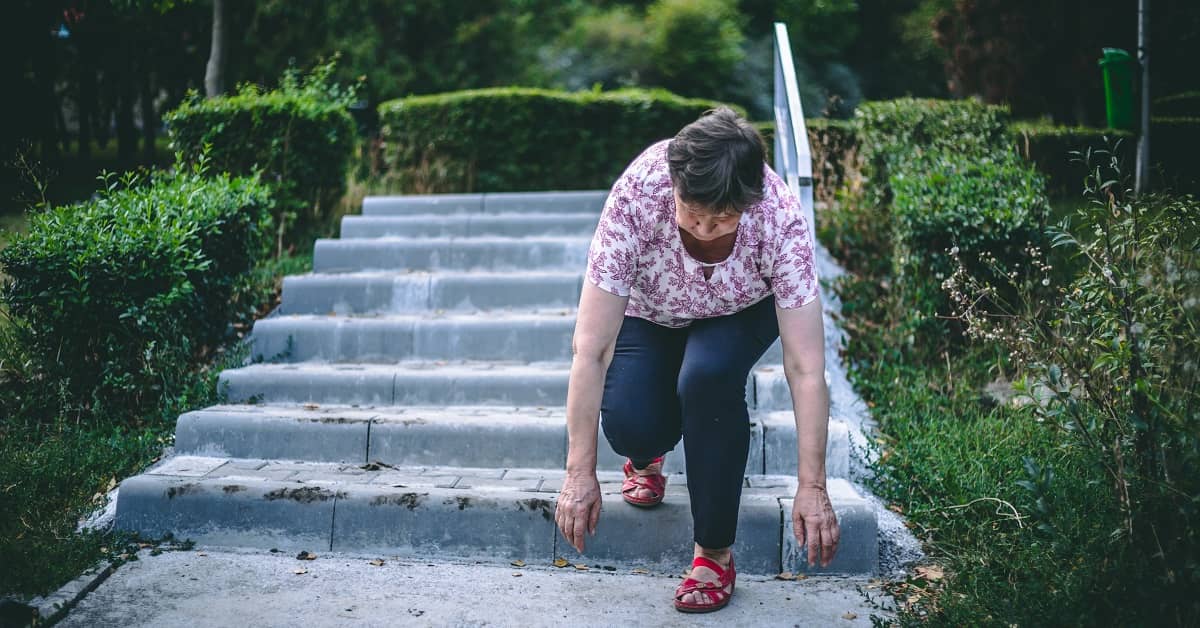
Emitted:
pixel 517 563
pixel 306 555
pixel 561 562
pixel 378 562
pixel 581 567
pixel 849 615
pixel 930 572
pixel 639 570
pixel 787 575
pixel 300 571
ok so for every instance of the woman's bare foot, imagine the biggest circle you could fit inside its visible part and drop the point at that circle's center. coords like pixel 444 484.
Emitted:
pixel 704 574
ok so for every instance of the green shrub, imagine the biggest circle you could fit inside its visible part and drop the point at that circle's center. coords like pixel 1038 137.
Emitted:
pixel 300 136
pixel 111 295
pixel 518 139
pixel 694 45
pixel 1049 147
pixel 1110 351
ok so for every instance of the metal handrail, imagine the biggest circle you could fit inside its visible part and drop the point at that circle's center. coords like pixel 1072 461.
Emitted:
pixel 793 159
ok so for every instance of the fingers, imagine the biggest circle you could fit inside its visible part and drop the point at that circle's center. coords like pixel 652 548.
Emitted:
pixel 594 518
pixel 812 540
pixel 579 523
pixel 831 536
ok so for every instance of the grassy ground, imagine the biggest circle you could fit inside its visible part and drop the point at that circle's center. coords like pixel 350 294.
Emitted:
pixel 1009 544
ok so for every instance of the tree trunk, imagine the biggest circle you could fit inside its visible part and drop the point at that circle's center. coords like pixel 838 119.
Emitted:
pixel 149 115
pixel 126 90
pixel 214 72
pixel 87 94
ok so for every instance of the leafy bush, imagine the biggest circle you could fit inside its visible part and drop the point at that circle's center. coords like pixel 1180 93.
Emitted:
pixel 517 139
pixel 1110 353
pixel 835 155
pixel 300 136
pixel 1049 147
pixel 695 45
pixel 112 295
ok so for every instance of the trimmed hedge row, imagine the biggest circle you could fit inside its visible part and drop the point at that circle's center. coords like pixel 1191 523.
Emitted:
pixel 300 137
pixel 1050 146
pixel 520 139
pixel 942 176
pixel 111 295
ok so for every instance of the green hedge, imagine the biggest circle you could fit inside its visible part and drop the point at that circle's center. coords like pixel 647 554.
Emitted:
pixel 301 136
pixel 1185 104
pixel 519 139
pixel 111 293
pixel 938 175
pixel 835 153
pixel 1173 146
pixel 1049 147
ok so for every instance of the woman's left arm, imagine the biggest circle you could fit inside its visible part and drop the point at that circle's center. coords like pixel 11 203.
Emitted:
pixel 802 333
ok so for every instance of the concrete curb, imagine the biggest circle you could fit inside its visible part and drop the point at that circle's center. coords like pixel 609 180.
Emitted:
pixel 55 606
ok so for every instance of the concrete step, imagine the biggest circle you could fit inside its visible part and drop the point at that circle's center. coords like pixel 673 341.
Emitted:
pixel 389 339
pixel 469 225
pixel 432 382
pixel 591 201
pixel 409 383
pixel 515 336
pixel 493 253
pixel 471 513
pixel 478 436
pixel 398 293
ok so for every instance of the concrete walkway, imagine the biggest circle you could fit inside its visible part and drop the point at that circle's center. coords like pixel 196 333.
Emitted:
pixel 261 589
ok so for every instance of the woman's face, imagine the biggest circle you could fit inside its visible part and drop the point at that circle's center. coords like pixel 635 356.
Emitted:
pixel 702 224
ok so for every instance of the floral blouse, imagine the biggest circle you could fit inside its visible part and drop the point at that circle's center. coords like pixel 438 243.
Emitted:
pixel 637 251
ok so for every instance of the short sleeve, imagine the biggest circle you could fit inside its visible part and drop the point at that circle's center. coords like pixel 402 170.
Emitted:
pixel 612 256
pixel 791 256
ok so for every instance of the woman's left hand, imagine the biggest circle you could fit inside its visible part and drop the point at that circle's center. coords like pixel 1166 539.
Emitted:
pixel 815 524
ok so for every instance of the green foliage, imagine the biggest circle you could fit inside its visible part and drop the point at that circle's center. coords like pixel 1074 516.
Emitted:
pixel 515 139
pixel 300 136
pixel 935 175
pixel 610 47
pixel 110 297
pixel 694 44
pixel 1049 147
pixel 1110 353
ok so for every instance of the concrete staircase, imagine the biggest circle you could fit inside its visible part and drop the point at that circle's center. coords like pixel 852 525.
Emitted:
pixel 408 397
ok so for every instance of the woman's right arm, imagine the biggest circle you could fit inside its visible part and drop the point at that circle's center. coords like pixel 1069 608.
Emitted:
pixel 596 327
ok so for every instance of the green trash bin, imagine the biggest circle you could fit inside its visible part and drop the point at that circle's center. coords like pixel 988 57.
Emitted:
pixel 1118 67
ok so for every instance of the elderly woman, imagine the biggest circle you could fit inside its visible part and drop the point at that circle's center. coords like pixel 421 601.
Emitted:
pixel 701 259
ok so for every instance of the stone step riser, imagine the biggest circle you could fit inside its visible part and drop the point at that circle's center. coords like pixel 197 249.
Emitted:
pixel 350 385
pixel 475 254
pixel 489 525
pixel 366 340
pixel 419 293
pixel 468 226
pixel 589 201
pixel 506 441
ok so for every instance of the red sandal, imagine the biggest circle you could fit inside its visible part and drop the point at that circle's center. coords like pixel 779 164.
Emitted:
pixel 656 484
pixel 715 591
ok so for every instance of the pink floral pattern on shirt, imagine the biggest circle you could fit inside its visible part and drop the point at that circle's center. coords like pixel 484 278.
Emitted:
pixel 637 252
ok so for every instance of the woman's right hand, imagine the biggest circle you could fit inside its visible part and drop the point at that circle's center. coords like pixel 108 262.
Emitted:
pixel 578 507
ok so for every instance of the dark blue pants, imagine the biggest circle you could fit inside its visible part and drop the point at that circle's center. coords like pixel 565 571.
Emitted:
pixel 666 382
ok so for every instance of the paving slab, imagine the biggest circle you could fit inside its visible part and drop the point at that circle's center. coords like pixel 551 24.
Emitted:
pixel 488 254
pixel 258 588
pixel 469 225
